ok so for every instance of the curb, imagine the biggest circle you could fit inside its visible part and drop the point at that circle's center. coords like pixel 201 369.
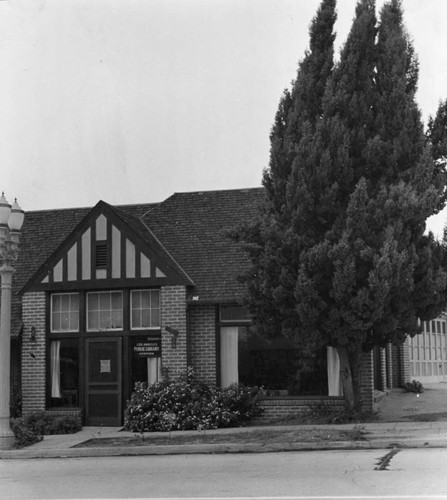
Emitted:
pixel 221 448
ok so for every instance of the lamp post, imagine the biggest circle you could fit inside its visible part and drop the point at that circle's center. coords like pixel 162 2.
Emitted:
pixel 11 220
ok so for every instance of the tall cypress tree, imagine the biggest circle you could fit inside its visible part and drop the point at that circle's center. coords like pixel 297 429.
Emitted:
pixel 359 283
pixel 353 268
pixel 437 138
pixel 270 281
pixel 303 105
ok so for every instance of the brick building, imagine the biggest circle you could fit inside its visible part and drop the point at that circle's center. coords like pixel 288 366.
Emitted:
pixel 109 296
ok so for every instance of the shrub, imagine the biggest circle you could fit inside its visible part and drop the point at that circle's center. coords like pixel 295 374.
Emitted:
pixel 46 424
pixel 15 403
pixel 185 404
pixel 25 436
pixel 413 386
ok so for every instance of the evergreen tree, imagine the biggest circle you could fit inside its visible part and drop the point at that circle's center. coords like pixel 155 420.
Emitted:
pixel 437 138
pixel 270 281
pixel 348 202
pixel 303 105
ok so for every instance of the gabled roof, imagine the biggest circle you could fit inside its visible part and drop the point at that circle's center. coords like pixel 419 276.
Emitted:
pixel 189 229
pixel 194 229
pixel 45 230
pixel 132 228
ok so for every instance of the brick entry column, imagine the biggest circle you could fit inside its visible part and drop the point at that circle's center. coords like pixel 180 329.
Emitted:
pixel 367 382
pixel 174 358
pixel 33 353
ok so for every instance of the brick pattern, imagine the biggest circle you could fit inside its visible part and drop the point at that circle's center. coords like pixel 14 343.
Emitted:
pixel 202 338
pixel 274 409
pixel 367 382
pixel 405 362
pixel 66 412
pixel 173 315
pixel 33 353
pixel 389 366
pixel 395 366
pixel 383 371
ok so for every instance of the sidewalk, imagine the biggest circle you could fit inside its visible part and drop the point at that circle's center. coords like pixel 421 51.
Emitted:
pixel 405 420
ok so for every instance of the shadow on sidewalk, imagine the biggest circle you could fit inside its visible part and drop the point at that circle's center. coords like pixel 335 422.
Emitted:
pixel 429 406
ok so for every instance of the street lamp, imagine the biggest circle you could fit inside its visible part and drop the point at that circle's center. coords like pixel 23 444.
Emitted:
pixel 11 220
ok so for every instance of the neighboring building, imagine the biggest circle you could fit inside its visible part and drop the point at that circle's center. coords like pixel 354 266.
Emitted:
pixel 428 352
pixel 109 296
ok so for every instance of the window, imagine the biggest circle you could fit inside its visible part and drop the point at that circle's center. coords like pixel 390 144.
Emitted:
pixel 234 314
pixel 104 311
pixel 64 364
pixel 64 312
pixel 145 309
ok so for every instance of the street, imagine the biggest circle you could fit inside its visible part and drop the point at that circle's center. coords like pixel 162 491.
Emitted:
pixel 408 473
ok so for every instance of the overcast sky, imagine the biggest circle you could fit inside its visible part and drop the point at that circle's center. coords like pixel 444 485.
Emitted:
pixel 132 100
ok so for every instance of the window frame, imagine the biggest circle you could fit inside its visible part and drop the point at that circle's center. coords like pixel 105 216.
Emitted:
pixel 103 292
pixel 69 330
pixel 139 328
pixel 234 321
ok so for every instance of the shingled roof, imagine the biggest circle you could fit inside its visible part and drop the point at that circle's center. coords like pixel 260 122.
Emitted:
pixel 194 229
pixel 191 227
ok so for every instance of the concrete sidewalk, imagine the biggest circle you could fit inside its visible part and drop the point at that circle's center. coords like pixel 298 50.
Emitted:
pixel 405 420
pixel 377 435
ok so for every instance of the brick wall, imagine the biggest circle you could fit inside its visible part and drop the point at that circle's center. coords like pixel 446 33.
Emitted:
pixel 33 353
pixel 367 382
pixel 173 315
pixel 389 366
pixel 405 362
pixel 277 408
pixel 202 338
pixel 382 368
pixel 396 365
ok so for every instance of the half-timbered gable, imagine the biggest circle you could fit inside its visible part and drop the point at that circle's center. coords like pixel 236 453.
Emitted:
pixel 109 248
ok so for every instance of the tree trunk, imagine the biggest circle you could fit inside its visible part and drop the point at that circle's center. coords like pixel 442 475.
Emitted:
pixel 350 366
pixel 346 377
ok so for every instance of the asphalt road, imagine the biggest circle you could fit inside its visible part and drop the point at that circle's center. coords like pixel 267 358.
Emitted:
pixel 409 473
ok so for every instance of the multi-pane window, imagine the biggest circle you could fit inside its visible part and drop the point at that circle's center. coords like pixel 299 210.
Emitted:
pixel 145 309
pixel 104 311
pixel 234 314
pixel 64 312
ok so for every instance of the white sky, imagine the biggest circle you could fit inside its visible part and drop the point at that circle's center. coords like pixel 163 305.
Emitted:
pixel 132 100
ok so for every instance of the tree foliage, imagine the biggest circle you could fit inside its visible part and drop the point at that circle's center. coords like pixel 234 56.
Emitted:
pixel 340 256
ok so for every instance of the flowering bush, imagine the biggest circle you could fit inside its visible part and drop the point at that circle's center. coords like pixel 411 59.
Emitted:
pixel 185 404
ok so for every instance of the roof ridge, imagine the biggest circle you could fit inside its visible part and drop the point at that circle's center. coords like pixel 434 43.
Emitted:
pixel 216 191
pixel 120 206
pixel 157 239
pixel 141 221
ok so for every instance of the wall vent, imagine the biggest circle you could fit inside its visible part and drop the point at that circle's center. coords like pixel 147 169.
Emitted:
pixel 101 255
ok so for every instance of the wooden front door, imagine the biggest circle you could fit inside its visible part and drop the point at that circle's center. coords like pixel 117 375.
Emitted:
pixel 103 382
